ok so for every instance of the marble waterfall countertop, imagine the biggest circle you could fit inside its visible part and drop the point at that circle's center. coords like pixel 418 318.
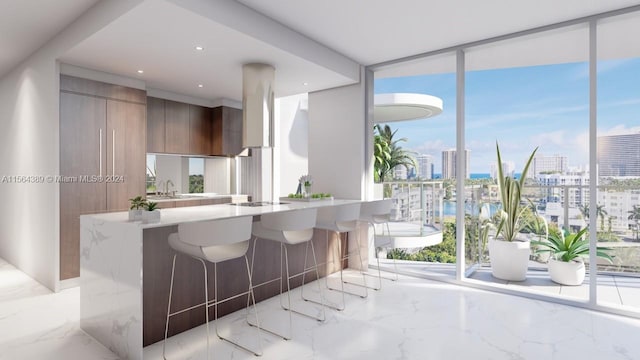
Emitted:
pixel 174 216
pixel 111 267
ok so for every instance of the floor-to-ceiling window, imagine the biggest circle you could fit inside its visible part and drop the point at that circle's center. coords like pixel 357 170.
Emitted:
pixel 523 94
pixel 618 156
pixel 532 90
pixel 423 192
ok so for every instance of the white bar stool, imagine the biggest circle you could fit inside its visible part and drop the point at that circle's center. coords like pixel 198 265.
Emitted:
pixel 375 213
pixel 341 218
pixel 213 241
pixel 289 228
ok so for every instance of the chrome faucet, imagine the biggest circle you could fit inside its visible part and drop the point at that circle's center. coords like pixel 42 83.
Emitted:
pixel 166 186
pixel 160 185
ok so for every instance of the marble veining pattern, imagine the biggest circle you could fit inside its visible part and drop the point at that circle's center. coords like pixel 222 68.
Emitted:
pixel 37 324
pixel 409 319
pixel 111 284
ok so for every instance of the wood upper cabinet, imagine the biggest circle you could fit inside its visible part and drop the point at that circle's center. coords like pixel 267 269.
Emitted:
pixel 200 130
pixel 227 131
pixel 176 120
pixel 155 125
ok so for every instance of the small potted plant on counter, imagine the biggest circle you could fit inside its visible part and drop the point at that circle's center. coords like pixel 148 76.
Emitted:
pixel 306 182
pixel 566 264
pixel 151 212
pixel 138 204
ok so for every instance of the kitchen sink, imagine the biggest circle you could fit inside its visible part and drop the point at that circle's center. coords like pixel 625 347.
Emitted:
pixel 172 197
pixel 259 203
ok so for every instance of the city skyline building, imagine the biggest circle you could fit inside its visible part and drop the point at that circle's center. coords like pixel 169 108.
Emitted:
pixel 548 164
pixel 619 155
pixel 508 167
pixel 425 166
pixel 449 164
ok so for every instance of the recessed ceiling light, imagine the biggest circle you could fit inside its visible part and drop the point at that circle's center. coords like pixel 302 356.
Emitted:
pixel 200 85
pixel 199 48
pixel 305 83
pixel 140 71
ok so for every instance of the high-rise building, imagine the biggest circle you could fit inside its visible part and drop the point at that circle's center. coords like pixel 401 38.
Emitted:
pixel 449 164
pixel 508 167
pixel 619 155
pixel 548 164
pixel 400 173
pixel 424 164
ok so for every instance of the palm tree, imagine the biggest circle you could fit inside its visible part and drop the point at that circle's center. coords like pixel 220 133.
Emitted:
pixel 634 215
pixel 381 154
pixel 388 156
pixel 600 213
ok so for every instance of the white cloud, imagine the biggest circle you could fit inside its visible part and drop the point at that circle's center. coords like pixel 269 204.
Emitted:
pixel 619 129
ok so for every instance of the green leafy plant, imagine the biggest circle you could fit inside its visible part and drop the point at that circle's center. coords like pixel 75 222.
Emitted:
pixel 565 246
pixel 138 203
pixel 511 214
pixel 295 196
pixel 150 206
pixel 388 153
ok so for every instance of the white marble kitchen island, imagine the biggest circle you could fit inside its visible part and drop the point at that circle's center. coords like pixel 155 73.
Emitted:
pixel 111 267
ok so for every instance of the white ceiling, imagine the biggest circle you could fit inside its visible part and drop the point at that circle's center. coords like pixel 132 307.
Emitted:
pixel 159 36
pixel 25 25
pixel 375 31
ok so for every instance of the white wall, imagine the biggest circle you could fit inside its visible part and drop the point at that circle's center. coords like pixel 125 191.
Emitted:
pixel 337 141
pixel 291 153
pixel 217 175
pixel 171 167
pixel 29 144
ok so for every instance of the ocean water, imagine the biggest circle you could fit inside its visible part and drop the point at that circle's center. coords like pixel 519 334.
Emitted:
pixel 480 176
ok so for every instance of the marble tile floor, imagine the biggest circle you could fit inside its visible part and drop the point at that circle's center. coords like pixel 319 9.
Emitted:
pixel 612 289
pixel 408 319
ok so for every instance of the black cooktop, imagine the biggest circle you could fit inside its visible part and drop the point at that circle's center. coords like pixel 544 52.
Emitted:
pixel 259 203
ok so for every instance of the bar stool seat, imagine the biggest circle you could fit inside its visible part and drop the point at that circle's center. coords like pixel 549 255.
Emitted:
pixel 289 228
pixel 213 241
pixel 339 219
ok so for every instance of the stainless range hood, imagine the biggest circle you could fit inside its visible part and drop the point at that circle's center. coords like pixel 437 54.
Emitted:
pixel 257 105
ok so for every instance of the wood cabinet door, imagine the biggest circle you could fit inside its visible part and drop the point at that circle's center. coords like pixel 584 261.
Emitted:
pixel 232 130
pixel 176 120
pixel 82 153
pixel 155 125
pixel 200 130
pixel 227 131
pixel 126 157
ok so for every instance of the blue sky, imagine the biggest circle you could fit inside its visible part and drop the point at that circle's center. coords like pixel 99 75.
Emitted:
pixel 523 108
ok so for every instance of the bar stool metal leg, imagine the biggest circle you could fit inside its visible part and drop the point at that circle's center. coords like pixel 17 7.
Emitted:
pixel 304 271
pixel 166 326
pixel 342 281
pixel 250 294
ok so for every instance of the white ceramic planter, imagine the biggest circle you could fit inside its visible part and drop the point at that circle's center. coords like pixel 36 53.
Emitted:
pixel 509 260
pixel 135 215
pixel 151 216
pixel 567 273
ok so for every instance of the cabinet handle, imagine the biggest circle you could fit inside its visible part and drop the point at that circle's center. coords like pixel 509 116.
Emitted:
pixel 113 153
pixel 100 156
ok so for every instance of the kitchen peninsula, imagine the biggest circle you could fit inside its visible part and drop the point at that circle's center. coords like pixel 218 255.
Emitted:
pixel 125 273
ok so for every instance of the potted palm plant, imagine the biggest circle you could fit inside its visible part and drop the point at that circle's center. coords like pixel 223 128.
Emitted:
pixel 509 253
pixel 151 212
pixel 138 204
pixel 566 264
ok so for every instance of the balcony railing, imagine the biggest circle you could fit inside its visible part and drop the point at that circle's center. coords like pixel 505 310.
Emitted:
pixel 423 203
